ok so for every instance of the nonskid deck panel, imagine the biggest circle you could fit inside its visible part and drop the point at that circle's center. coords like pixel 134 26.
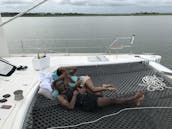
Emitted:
pixel 46 113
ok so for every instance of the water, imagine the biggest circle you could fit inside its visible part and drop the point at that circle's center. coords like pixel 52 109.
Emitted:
pixel 153 33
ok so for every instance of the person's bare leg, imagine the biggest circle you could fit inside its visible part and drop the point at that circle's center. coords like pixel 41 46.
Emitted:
pixel 105 101
pixel 91 88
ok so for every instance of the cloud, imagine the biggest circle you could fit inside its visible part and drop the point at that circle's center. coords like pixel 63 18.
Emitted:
pixel 71 2
pixel 115 2
pixel 151 2
pixel 95 2
pixel 19 2
pixel 89 6
pixel 15 5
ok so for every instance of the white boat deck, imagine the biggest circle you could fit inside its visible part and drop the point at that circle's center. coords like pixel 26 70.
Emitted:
pixel 28 81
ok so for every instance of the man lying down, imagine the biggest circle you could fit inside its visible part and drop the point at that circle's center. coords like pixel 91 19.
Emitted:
pixel 72 91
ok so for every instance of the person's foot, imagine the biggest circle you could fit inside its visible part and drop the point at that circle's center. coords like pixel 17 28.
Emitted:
pixel 112 89
pixel 139 94
pixel 139 99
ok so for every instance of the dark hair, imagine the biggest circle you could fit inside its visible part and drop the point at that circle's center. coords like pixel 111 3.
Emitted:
pixel 59 71
pixel 59 85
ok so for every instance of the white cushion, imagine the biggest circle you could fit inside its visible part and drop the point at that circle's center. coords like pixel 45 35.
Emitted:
pixel 46 80
pixel 45 92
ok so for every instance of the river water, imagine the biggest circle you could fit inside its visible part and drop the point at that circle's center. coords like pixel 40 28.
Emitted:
pixel 91 34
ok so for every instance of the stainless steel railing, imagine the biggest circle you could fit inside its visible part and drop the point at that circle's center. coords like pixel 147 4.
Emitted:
pixel 96 45
pixel 115 45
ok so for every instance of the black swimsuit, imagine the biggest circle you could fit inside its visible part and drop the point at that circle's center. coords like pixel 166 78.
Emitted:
pixel 85 101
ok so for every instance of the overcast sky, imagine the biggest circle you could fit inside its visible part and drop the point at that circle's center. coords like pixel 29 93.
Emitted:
pixel 89 6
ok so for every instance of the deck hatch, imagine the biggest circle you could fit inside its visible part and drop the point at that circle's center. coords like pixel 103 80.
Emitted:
pixel 6 69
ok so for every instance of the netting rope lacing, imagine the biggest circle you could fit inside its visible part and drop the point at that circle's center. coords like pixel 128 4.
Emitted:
pixel 105 116
pixel 151 82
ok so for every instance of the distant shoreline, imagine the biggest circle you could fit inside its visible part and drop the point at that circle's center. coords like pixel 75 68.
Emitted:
pixel 6 14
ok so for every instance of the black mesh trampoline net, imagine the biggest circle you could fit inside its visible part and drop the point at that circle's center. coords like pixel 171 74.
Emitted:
pixel 45 113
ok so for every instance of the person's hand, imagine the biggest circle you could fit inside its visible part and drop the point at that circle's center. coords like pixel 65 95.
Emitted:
pixel 75 92
pixel 112 89
pixel 106 86
pixel 109 87
pixel 78 83
pixel 74 67
pixel 82 90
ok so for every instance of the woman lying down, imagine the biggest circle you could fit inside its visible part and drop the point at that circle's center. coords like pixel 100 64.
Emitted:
pixel 68 74
pixel 79 97
pixel 72 81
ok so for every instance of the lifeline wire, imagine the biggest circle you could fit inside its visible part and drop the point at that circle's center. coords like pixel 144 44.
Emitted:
pixel 22 13
pixel 113 114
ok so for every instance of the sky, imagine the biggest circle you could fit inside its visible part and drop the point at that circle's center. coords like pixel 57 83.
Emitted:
pixel 89 6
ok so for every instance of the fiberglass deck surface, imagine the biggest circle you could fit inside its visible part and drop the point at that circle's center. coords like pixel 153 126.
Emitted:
pixel 46 113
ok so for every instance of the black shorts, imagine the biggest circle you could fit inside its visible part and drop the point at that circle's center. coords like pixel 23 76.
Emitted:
pixel 87 102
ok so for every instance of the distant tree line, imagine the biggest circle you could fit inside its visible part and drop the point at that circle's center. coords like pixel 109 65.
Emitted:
pixel 148 13
pixel 9 14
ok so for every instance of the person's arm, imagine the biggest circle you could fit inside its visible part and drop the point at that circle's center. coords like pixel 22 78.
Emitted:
pixel 78 84
pixel 66 78
pixel 61 77
pixel 69 105
pixel 97 89
pixel 70 69
pixel 102 88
